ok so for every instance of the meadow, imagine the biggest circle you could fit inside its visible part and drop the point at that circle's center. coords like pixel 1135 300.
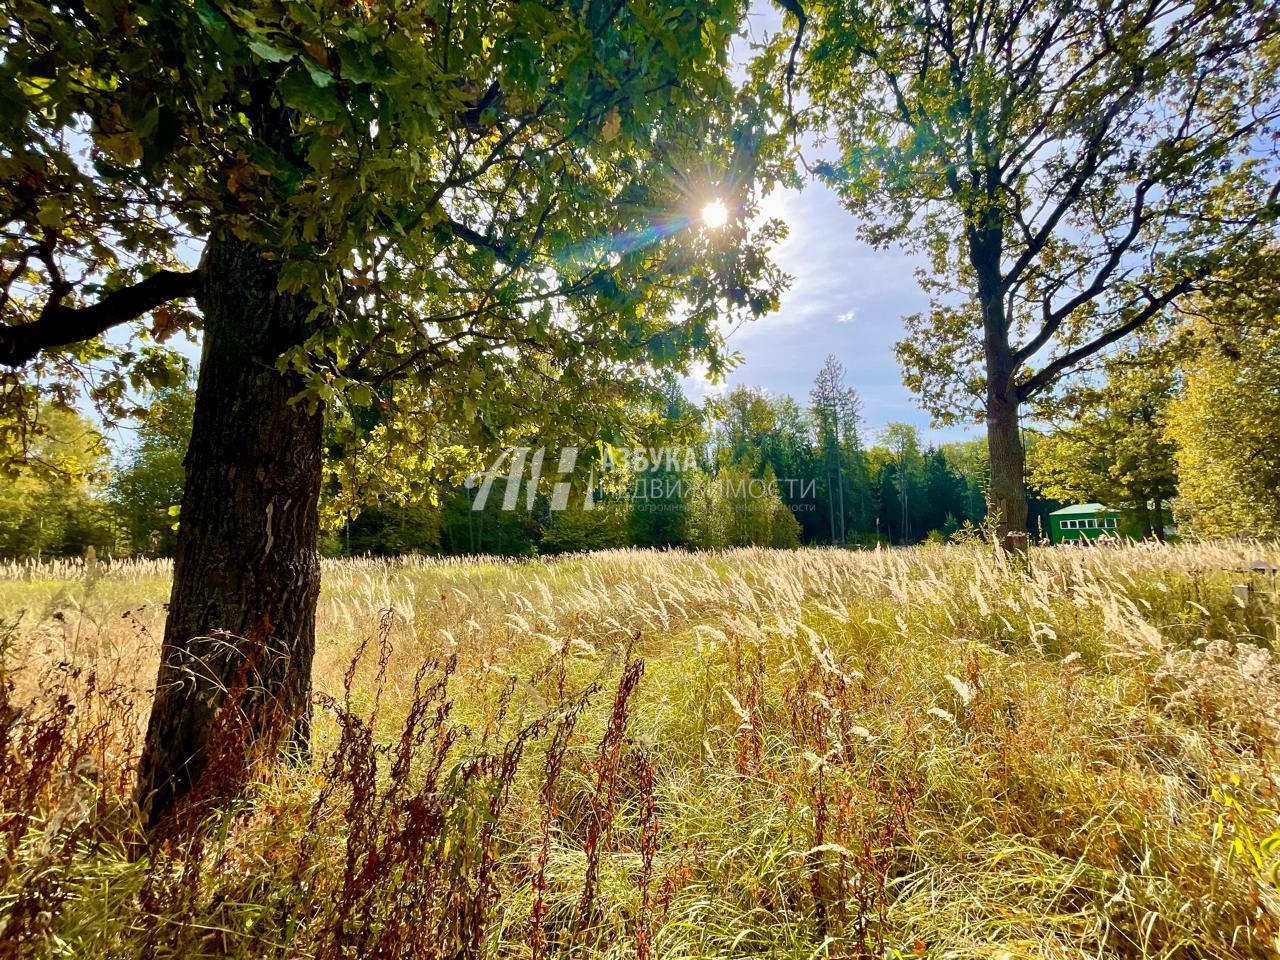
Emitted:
pixel 819 753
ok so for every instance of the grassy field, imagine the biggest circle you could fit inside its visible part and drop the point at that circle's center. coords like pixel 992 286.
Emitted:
pixel 914 753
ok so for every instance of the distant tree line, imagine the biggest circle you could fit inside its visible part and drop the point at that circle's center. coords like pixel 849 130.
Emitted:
pixel 766 471
pixel 747 468
pixel 65 493
pixel 1179 427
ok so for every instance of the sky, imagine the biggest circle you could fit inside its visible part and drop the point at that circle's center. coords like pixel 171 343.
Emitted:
pixel 845 298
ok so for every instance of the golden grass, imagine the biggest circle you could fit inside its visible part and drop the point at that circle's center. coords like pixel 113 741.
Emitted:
pixel 825 753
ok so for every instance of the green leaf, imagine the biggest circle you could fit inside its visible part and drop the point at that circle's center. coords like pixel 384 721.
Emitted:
pixel 320 76
pixel 267 52
pixel 210 17
pixel 360 395
pixel 299 91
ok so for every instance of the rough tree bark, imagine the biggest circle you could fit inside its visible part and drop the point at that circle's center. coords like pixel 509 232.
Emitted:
pixel 1006 490
pixel 246 573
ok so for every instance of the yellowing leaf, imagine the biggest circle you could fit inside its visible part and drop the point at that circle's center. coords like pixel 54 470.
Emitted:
pixel 612 125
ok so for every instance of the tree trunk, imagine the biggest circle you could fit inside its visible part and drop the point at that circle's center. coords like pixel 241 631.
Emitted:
pixel 1007 492
pixel 844 533
pixel 1144 520
pixel 246 573
pixel 1157 519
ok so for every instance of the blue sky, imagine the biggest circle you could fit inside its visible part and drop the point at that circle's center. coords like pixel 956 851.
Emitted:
pixel 846 298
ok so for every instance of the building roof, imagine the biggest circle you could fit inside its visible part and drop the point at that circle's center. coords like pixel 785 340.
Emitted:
pixel 1082 510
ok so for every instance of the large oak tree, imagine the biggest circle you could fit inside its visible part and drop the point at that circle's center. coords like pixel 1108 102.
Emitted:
pixel 1069 168
pixel 411 216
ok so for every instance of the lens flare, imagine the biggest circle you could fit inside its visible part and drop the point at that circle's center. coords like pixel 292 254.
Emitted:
pixel 715 214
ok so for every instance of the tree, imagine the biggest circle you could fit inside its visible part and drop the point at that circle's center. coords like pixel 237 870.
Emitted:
pixel 490 529
pixel 148 486
pixel 393 529
pixel 744 422
pixel 737 508
pixel 1070 170
pixel 47 502
pixel 1109 440
pixel 446 214
pixel 836 411
pixel 944 495
pixel 1226 422
pixel 770 437
pixel 602 527
pixel 788 451
pixel 902 441
pixel 968 458
pixel 659 508
pixel 888 495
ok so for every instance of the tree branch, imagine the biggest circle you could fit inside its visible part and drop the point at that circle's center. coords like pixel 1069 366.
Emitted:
pixel 479 240
pixel 1049 373
pixel 1053 319
pixel 794 7
pixel 60 326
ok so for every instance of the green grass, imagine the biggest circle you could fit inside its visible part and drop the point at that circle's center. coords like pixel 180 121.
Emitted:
pixel 829 754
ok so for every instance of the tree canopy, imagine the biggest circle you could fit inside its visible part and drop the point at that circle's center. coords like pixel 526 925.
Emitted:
pixel 1226 422
pixel 146 487
pixel 421 221
pixel 1107 439
pixel 1069 170
pixel 491 206
pixel 47 502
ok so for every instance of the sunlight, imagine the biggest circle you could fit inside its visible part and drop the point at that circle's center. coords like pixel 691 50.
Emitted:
pixel 715 214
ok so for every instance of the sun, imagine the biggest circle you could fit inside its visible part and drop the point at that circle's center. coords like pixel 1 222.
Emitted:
pixel 715 214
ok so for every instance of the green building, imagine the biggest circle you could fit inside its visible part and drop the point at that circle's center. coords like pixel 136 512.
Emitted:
pixel 1083 521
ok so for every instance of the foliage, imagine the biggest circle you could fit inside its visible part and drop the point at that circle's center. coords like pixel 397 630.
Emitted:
pixel 946 501
pixel 427 219
pixel 48 505
pixel 758 457
pixel 1108 440
pixel 575 529
pixel 902 469
pixel 660 508
pixel 734 507
pixel 492 206
pixel 836 412
pixel 391 529
pixel 146 489
pixel 1226 423
pixel 1069 170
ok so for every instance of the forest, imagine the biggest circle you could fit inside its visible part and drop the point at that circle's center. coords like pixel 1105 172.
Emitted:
pixel 840 489
pixel 1150 431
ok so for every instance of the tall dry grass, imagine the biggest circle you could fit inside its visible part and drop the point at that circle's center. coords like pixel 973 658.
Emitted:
pixel 793 754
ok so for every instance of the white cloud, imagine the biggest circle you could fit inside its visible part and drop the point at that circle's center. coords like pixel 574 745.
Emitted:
pixel 698 385
pixel 847 317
